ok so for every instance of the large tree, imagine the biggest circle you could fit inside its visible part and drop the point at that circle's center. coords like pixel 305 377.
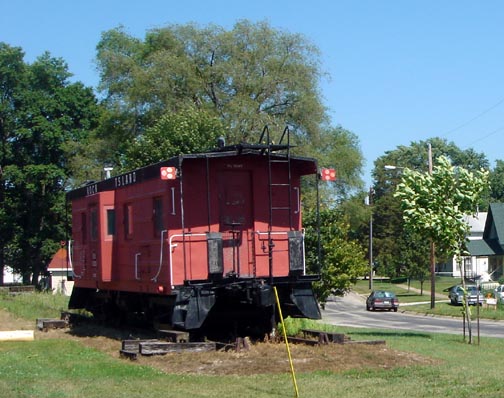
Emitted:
pixel 250 76
pixel 41 112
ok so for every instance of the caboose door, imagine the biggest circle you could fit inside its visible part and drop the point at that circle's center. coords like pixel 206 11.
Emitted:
pixel 236 222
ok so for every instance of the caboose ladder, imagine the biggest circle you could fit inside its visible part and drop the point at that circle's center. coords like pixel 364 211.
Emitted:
pixel 278 188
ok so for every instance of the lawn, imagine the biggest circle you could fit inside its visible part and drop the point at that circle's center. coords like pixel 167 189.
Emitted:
pixel 56 368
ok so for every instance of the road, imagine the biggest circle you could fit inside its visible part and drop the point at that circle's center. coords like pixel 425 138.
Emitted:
pixel 351 311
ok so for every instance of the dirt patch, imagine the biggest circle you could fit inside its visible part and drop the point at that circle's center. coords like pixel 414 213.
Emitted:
pixel 261 358
pixel 272 358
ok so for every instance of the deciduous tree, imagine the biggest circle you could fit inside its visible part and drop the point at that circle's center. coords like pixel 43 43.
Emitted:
pixel 40 113
pixel 434 206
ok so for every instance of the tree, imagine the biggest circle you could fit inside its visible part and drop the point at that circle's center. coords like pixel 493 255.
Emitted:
pixel 389 230
pixel 188 131
pixel 12 70
pixel 434 205
pixel 497 182
pixel 249 77
pixel 342 259
pixel 40 113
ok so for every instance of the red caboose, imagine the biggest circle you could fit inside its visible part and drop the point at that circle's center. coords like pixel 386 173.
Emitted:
pixel 197 241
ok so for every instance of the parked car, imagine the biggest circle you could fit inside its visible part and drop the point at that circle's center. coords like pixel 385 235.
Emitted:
pixel 456 295
pixel 383 300
pixel 499 293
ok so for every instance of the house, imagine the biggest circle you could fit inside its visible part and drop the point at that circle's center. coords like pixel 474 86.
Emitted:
pixel 60 273
pixel 490 247
pixel 472 265
pixel 11 277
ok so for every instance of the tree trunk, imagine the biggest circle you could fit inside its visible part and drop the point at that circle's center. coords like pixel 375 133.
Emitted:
pixel 467 311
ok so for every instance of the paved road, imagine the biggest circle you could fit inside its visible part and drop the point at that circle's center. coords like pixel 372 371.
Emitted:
pixel 351 311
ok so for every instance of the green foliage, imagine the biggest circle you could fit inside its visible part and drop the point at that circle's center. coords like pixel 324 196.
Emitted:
pixel 40 112
pixel 342 259
pixel 496 179
pixel 248 77
pixel 434 204
pixel 185 132
pixel 397 250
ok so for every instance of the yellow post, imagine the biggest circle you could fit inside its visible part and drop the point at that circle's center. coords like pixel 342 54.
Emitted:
pixel 286 343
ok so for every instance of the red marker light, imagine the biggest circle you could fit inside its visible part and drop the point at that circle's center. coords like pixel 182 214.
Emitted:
pixel 328 174
pixel 168 173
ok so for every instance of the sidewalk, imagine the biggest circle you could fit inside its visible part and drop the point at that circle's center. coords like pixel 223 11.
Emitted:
pixel 425 292
pixel 440 297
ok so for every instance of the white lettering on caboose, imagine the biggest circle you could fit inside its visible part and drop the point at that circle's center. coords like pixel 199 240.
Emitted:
pixel 125 179
pixel 91 189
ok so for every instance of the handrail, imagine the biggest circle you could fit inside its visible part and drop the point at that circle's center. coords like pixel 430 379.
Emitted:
pixel 173 212
pixel 77 276
pixel 160 256
pixel 136 265
pixel 298 202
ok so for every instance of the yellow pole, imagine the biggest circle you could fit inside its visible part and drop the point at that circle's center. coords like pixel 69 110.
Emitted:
pixel 286 344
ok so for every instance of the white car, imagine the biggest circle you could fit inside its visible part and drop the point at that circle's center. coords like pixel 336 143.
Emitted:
pixel 499 293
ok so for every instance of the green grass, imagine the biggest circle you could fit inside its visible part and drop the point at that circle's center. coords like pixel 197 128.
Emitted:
pixel 50 368
pixel 35 305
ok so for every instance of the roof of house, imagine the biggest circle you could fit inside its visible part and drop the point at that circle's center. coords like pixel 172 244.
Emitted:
pixel 59 261
pixel 477 222
pixel 493 235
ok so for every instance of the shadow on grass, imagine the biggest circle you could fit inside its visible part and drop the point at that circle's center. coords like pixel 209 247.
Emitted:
pixel 90 327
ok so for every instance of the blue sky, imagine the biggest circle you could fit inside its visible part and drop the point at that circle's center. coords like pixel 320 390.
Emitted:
pixel 399 71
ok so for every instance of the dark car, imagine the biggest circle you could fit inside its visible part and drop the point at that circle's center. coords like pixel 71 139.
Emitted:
pixel 383 300
pixel 473 296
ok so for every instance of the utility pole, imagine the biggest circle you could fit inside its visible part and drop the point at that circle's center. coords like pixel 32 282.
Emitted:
pixel 432 248
pixel 370 202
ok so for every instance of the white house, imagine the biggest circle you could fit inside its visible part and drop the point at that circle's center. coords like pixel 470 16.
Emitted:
pixel 61 273
pixel 473 266
pixel 10 277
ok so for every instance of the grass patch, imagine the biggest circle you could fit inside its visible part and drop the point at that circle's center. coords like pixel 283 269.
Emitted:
pixel 34 305
pixel 61 368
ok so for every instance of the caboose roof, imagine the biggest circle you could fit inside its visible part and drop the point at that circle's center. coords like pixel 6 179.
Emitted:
pixel 304 166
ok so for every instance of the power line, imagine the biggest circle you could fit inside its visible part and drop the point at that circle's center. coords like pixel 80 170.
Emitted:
pixel 476 117
pixel 486 136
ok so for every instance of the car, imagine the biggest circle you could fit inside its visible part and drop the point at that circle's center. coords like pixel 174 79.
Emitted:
pixel 499 293
pixel 473 296
pixel 383 300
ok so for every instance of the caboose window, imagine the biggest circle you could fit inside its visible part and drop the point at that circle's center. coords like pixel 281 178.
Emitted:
pixel 110 222
pixel 158 216
pixel 94 223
